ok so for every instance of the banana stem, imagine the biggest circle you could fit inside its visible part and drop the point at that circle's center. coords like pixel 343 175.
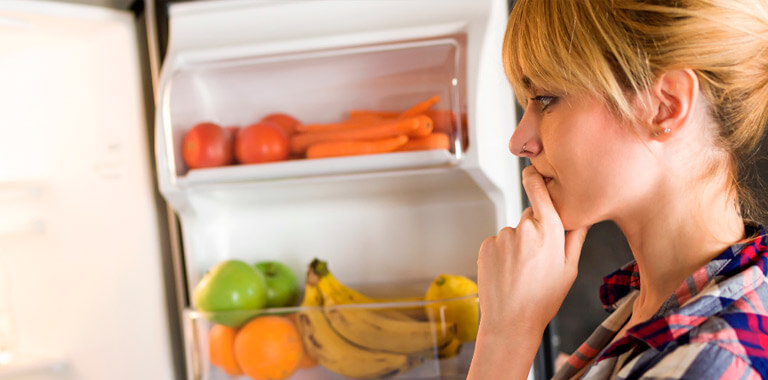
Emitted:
pixel 317 269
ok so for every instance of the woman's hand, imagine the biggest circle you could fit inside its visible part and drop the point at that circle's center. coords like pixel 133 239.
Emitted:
pixel 524 274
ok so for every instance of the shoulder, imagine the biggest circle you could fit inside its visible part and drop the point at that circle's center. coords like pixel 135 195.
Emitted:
pixel 730 345
pixel 743 334
pixel 731 340
pixel 702 361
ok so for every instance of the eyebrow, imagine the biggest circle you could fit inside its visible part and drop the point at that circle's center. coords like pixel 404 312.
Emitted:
pixel 527 83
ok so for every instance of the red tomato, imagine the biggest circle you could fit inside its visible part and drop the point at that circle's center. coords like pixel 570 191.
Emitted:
pixel 207 145
pixel 287 122
pixel 233 131
pixel 261 142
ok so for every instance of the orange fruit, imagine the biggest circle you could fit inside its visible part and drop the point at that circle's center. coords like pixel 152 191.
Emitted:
pixel 306 360
pixel 221 340
pixel 268 348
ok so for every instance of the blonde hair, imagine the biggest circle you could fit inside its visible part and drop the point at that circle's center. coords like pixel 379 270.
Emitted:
pixel 614 49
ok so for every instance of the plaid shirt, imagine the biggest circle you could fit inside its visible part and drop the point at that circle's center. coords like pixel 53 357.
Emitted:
pixel 715 326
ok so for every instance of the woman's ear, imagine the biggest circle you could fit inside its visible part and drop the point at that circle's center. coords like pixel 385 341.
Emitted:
pixel 673 95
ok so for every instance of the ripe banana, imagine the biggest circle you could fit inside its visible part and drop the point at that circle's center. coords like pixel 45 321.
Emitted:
pixel 339 355
pixel 336 293
pixel 450 350
pixel 384 330
pixel 357 297
pixel 348 295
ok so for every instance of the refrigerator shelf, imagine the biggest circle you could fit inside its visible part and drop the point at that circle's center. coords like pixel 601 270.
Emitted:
pixel 318 167
pixel 314 87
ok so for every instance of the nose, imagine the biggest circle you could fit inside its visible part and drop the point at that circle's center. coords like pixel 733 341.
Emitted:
pixel 525 141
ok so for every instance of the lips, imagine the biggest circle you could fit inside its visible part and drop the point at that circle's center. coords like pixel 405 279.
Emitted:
pixel 547 180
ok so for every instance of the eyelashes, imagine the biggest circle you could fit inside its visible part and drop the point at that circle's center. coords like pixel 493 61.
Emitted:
pixel 545 101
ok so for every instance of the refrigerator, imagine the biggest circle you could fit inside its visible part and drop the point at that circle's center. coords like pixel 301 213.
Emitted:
pixel 106 230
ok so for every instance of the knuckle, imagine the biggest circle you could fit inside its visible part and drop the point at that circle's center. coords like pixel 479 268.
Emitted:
pixel 486 242
pixel 525 225
pixel 506 233
pixel 506 230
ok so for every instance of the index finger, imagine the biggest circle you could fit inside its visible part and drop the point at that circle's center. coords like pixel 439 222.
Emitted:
pixel 538 195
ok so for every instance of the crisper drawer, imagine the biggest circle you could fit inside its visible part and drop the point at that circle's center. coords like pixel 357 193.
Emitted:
pixel 350 93
pixel 328 338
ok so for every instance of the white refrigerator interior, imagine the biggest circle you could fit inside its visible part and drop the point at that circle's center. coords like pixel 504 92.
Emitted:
pixel 374 218
pixel 380 219
pixel 81 290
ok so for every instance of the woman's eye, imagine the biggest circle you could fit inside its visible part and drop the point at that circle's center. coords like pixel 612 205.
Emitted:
pixel 545 101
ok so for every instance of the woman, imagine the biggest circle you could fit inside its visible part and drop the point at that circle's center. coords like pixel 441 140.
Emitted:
pixel 641 112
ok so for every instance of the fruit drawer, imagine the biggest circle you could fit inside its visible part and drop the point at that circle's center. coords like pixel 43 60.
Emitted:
pixel 361 341
pixel 356 102
pixel 341 332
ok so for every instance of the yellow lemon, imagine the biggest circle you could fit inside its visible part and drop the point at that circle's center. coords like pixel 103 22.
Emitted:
pixel 464 312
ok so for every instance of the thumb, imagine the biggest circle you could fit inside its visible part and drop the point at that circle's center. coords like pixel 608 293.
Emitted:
pixel 574 240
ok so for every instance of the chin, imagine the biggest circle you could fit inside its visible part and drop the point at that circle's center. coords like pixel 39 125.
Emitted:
pixel 570 226
pixel 573 220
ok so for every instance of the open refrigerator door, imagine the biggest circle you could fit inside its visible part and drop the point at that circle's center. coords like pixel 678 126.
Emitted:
pixel 385 224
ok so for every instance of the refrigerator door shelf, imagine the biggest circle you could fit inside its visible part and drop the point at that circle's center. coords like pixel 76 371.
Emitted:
pixel 318 167
pixel 320 86
pixel 324 327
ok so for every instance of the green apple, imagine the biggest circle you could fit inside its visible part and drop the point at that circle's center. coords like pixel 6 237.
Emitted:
pixel 282 284
pixel 230 293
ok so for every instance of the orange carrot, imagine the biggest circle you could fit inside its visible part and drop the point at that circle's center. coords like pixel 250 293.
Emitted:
pixel 425 128
pixel 420 107
pixel 346 124
pixel 356 119
pixel 300 142
pixel 355 147
pixel 433 141
pixel 375 114
pixel 443 120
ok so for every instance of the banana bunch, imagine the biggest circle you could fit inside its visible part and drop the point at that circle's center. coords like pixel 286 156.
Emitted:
pixel 344 332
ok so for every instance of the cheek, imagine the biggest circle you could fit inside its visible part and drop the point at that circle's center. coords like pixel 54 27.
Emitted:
pixel 598 164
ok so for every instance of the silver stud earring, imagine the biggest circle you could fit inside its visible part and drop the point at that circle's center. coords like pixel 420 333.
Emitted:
pixel 666 130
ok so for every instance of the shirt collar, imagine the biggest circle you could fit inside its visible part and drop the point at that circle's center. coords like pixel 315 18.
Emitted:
pixel 689 307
